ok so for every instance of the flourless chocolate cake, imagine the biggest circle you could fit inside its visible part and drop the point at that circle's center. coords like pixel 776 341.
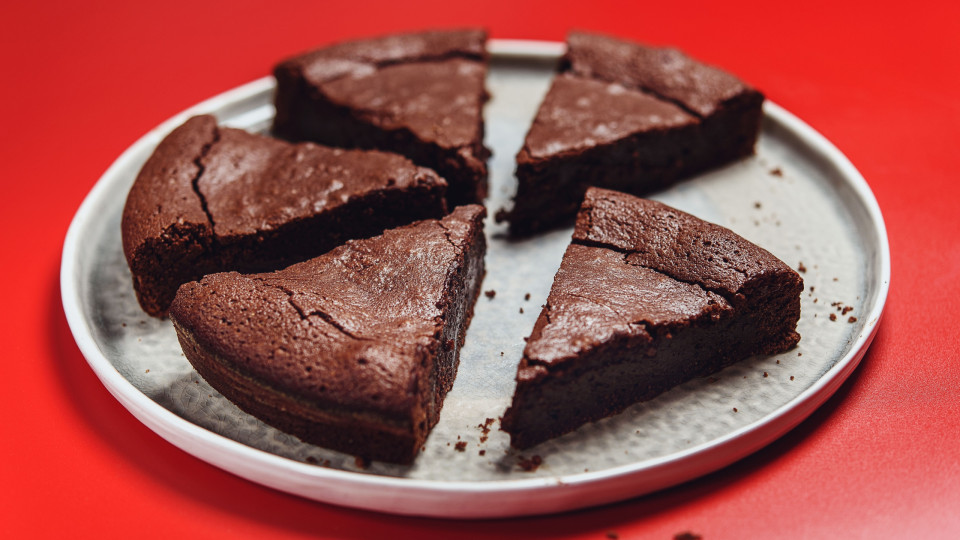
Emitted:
pixel 212 199
pixel 420 95
pixel 646 297
pixel 352 350
pixel 628 117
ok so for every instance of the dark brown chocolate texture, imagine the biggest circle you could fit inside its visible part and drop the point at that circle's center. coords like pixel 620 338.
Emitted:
pixel 420 95
pixel 646 297
pixel 352 350
pixel 628 117
pixel 212 199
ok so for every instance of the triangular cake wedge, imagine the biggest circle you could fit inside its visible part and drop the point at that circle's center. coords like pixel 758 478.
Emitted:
pixel 419 94
pixel 624 116
pixel 353 350
pixel 646 297
pixel 212 199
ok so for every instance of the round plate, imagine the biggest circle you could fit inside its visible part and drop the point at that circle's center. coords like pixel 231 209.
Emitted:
pixel 799 197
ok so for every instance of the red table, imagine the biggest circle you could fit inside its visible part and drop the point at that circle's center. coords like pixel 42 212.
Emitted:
pixel 881 459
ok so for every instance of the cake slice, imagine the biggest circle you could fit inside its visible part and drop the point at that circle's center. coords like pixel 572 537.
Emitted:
pixel 624 116
pixel 420 95
pixel 212 199
pixel 353 350
pixel 646 297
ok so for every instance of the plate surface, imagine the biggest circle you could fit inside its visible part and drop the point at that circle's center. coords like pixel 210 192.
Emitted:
pixel 799 197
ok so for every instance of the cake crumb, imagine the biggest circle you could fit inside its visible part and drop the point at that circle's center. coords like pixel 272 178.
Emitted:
pixel 485 429
pixel 801 268
pixel 490 294
pixel 526 296
pixel 735 409
pixel 757 204
pixel 521 311
pixel 852 319
pixel 312 460
pixel 687 535
pixel 147 370
pixel 124 325
pixel 482 452
pixel 361 462
pixel 791 377
pixel 765 374
pixel 776 172
pixel 460 446
pixel 833 316
pixel 530 465
pixel 846 310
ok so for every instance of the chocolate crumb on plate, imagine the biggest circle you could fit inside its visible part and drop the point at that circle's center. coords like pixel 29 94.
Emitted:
pixel 490 294
pixel 531 464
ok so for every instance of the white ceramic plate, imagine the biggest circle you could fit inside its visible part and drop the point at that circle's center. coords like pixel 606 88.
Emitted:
pixel 799 197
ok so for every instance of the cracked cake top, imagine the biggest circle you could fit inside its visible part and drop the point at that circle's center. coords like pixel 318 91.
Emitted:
pixel 235 182
pixel 347 329
pixel 212 199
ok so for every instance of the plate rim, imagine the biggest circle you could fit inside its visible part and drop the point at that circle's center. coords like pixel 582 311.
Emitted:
pixel 515 497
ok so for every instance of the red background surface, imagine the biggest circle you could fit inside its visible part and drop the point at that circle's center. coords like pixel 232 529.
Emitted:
pixel 82 82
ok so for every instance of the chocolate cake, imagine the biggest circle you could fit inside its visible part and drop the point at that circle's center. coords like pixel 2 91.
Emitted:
pixel 646 297
pixel 628 117
pixel 353 350
pixel 420 95
pixel 212 199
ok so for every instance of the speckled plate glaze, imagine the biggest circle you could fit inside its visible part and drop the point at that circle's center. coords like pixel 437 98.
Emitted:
pixel 799 197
